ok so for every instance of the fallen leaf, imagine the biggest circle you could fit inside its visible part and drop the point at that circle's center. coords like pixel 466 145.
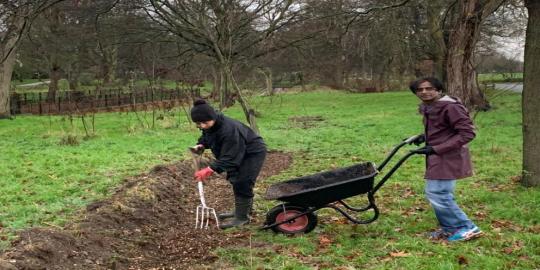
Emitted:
pixel 324 240
pixel 408 193
pixel 508 250
pixel 399 254
pixel 480 215
pixel 516 179
pixel 462 260
pixel 385 259
pixel 534 229
pixel 514 247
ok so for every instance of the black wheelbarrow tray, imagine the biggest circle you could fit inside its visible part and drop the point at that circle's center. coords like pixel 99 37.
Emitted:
pixel 304 195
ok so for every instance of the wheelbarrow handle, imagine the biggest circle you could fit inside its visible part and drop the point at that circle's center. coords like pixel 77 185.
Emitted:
pixel 396 148
pixel 412 138
pixel 392 171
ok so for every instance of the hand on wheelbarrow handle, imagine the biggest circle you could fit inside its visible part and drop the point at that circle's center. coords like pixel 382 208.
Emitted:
pixel 416 139
pixel 425 150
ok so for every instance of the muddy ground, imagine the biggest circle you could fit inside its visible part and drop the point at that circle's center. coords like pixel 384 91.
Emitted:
pixel 147 224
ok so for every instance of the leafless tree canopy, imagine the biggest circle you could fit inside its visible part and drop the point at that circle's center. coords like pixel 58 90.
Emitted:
pixel 252 45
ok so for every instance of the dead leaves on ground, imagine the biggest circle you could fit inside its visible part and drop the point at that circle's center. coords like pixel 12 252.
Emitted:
pixel 324 241
pixel 498 225
pixel 462 260
pixel 514 246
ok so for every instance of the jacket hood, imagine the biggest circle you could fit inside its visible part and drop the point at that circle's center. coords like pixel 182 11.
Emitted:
pixel 438 105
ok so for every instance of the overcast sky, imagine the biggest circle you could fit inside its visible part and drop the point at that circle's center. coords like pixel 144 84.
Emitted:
pixel 512 48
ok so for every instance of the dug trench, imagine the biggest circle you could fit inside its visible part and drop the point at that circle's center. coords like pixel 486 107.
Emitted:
pixel 148 223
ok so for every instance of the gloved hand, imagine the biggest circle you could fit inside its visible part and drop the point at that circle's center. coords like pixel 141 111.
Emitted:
pixel 197 149
pixel 426 150
pixel 201 175
pixel 420 140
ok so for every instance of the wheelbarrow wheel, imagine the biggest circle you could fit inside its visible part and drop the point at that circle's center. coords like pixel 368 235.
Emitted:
pixel 301 224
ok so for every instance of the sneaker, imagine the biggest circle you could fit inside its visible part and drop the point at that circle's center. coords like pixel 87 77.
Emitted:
pixel 465 234
pixel 439 234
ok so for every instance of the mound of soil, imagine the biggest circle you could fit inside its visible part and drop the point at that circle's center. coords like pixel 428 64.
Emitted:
pixel 147 224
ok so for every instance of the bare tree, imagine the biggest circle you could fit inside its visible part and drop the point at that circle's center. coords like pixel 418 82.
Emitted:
pixel 15 18
pixel 226 31
pixel 461 44
pixel 531 98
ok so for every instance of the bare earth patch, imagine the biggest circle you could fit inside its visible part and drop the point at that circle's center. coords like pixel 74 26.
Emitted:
pixel 147 224
pixel 306 121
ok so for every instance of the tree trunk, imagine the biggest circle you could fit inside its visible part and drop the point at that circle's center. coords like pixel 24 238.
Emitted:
pixel 267 73
pixel 108 63
pixel 73 83
pixel 6 69
pixel 437 34
pixel 531 98
pixel 460 71
pixel 249 113
pixel 73 75
pixel 55 75
pixel 225 97
pixel 8 46
pixel 216 81
pixel 302 82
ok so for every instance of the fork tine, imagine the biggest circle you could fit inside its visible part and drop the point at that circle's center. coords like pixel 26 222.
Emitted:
pixel 203 217
pixel 215 217
pixel 197 218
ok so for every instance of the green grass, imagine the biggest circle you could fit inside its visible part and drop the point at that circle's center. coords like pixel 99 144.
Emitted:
pixel 500 77
pixel 43 182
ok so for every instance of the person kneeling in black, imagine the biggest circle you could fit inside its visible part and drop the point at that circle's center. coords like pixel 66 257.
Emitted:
pixel 239 151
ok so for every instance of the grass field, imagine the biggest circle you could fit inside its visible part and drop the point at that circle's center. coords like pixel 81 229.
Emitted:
pixel 43 181
pixel 500 77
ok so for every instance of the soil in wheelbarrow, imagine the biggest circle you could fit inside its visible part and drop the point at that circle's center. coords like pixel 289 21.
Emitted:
pixel 319 180
pixel 147 224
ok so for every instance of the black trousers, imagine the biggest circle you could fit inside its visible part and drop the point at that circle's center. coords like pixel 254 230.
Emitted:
pixel 243 180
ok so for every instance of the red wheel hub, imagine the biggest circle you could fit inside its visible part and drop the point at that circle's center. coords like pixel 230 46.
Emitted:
pixel 295 225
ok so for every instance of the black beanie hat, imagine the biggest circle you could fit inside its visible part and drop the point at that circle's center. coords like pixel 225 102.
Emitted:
pixel 202 111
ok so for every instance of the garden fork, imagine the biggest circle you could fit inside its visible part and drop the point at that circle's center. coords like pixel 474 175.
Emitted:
pixel 203 213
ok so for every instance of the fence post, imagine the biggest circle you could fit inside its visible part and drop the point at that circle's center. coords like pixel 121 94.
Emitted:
pixel 39 104
pixel 59 100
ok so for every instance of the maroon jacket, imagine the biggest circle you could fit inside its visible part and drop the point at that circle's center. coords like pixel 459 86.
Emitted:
pixel 448 129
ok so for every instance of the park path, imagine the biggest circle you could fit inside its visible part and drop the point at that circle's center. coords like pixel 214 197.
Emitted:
pixel 514 87
pixel 33 84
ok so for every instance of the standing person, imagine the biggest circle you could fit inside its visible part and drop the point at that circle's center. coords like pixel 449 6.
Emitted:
pixel 447 131
pixel 239 152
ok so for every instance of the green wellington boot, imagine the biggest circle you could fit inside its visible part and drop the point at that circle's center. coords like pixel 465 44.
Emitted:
pixel 242 208
pixel 226 215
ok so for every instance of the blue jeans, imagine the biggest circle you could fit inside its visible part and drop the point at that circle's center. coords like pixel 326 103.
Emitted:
pixel 440 194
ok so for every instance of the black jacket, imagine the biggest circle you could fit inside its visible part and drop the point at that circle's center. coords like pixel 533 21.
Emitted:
pixel 230 141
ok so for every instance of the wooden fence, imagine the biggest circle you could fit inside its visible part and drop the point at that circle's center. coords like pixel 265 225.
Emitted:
pixel 96 100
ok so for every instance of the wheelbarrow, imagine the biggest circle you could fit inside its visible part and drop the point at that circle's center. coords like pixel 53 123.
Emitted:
pixel 303 196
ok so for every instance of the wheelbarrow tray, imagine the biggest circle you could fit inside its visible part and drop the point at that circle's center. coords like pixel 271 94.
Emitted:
pixel 326 187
